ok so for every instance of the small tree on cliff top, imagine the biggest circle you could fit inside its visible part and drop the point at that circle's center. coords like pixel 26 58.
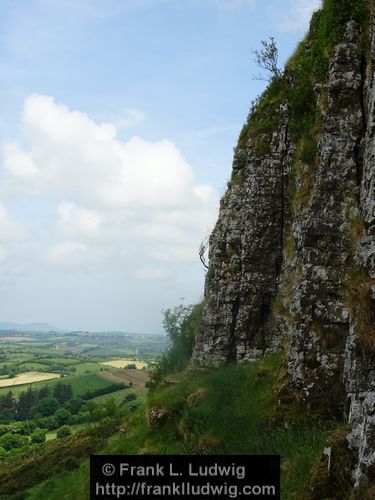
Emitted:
pixel 267 58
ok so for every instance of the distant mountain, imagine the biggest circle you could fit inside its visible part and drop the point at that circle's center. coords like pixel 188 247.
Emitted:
pixel 29 327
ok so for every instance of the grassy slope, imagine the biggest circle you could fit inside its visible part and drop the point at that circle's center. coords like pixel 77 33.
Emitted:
pixel 231 410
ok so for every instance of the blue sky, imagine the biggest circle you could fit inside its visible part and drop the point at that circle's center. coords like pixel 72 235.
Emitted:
pixel 117 126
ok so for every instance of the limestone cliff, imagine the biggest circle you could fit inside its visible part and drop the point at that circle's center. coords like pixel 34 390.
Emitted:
pixel 292 256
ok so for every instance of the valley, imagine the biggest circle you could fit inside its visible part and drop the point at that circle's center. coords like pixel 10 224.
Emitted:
pixel 54 384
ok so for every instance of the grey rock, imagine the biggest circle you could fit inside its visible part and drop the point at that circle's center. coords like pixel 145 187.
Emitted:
pixel 157 417
pixel 245 257
pixel 326 361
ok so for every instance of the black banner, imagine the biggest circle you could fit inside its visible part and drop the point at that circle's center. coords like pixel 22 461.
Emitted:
pixel 184 477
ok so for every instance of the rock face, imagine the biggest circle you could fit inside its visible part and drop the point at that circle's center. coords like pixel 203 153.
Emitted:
pixel 245 257
pixel 322 235
pixel 359 373
pixel 301 264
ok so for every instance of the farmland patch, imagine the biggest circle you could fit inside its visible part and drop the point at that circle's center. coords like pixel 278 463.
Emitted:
pixel 137 378
pixel 122 363
pixel 27 378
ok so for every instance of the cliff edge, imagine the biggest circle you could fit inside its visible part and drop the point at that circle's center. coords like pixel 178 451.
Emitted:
pixel 292 256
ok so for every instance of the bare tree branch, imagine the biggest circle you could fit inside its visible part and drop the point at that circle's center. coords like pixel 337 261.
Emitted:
pixel 202 251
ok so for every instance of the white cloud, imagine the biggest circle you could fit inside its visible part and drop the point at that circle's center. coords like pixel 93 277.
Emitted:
pixel 3 255
pixel 12 234
pixel 69 252
pixel 125 204
pixel 10 229
pixel 164 253
pixel 298 15
pixel 84 160
pixel 75 221
pixel 150 274
pixel 76 256
pixel 17 162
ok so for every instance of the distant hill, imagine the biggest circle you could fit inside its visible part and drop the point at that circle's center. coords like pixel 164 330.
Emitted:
pixel 29 327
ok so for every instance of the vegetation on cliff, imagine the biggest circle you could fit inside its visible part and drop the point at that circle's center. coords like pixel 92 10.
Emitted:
pixel 296 87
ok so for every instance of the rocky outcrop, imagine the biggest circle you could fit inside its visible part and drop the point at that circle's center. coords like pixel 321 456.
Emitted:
pixel 323 242
pixel 246 255
pixel 359 373
pixel 157 417
pixel 300 262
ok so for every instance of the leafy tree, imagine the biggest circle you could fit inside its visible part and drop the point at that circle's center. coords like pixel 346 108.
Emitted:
pixel 47 423
pixel 28 427
pixel 96 412
pixel 6 416
pixel 68 394
pixel 4 429
pixel 63 432
pixel 7 407
pixel 25 404
pixel 38 436
pixel 62 392
pixel 62 416
pixel 103 390
pixel 58 391
pixel 12 372
pixel 10 441
pixel 44 392
pixel 47 406
pixel 110 407
pixel 181 324
pixel 174 319
pixel 74 405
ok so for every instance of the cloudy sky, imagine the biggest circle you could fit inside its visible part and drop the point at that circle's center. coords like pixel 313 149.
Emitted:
pixel 117 125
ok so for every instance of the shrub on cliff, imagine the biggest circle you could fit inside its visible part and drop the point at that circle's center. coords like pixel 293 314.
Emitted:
pixel 181 324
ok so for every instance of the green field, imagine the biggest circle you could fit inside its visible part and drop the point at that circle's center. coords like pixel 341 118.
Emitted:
pixel 7 364
pixel 18 357
pixel 110 352
pixel 58 360
pixel 76 356
pixel 84 367
pixel 80 384
pixel 84 383
pixel 29 365
pixel 118 396
pixel 66 353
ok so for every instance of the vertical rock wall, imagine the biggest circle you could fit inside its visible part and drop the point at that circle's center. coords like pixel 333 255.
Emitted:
pixel 245 256
pixel 327 284
pixel 322 234
pixel 359 374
